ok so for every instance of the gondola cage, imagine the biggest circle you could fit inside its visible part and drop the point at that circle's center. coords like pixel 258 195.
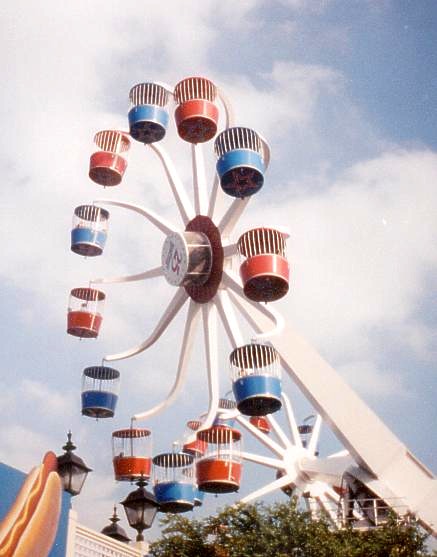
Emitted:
pixel 89 230
pixel 100 386
pixel 240 161
pixel 108 165
pixel 306 429
pixel 131 452
pixel 218 470
pixel 174 482
pixel 265 271
pixel 261 423
pixel 148 115
pixel 256 379
pixel 193 445
pixel 225 406
pixel 196 114
pixel 85 312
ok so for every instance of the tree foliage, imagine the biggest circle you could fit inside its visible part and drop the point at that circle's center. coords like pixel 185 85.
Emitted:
pixel 281 530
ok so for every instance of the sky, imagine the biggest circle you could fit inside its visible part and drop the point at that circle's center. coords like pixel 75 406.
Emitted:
pixel 345 94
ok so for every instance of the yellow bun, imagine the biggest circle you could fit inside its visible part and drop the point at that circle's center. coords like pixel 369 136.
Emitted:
pixel 39 535
pixel 17 505
pixel 26 505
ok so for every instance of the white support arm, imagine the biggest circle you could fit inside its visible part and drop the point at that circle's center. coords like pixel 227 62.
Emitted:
pixel 373 446
pixel 264 460
pixel 279 431
pixel 314 439
pixel 247 308
pixel 269 488
pixel 217 194
pixel 151 273
pixel 182 201
pixel 228 318
pixel 172 309
pixel 209 313
pixel 292 424
pixel 230 218
pixel 186 348
pixel 329 470
pixel 199 179
pixel 262 437
pixel 230 250
pixel 159 222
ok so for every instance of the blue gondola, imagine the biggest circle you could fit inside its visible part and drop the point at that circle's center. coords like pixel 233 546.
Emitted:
pixel 256 379
pixel 148 117
pixel 174 487
pixel 99 391
pixel 240 163
pixel 89 231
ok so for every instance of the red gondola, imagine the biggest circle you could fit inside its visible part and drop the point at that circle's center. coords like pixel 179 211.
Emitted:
pixel 85 312
pixel 131 452
pixel 261 423
pixel 265 272
pixel 108 165
pixel 196 115
pixel 219 469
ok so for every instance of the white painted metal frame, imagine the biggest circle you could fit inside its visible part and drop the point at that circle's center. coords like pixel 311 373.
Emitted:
pixel 374 455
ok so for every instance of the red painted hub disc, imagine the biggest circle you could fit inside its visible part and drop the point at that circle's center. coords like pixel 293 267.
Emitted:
pixel 203 293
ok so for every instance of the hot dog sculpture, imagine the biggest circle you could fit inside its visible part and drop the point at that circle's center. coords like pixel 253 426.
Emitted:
pixel 29 528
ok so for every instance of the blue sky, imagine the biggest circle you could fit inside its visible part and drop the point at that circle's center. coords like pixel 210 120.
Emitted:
pixel 345 93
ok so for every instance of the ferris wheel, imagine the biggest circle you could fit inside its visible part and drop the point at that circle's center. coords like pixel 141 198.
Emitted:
pixel 198 258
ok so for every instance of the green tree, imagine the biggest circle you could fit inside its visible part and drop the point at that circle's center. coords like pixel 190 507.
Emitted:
pixel 281 530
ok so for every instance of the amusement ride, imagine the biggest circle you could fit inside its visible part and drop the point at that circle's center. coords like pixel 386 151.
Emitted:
pixel 373 474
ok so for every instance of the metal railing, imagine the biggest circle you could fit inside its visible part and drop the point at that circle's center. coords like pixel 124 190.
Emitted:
pixel 84 542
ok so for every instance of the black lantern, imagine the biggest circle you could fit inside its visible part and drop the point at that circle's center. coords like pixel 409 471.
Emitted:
pixel 72 469
pixel 141 507
pixel 114 530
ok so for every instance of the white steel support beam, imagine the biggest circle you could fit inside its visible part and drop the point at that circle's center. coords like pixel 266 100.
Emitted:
pixel 199 179
pixel 169 314
pixel 209 312
pixel 186 348
pixel 182 201
pixel 160 223
pixel 151 273
pixel 373 446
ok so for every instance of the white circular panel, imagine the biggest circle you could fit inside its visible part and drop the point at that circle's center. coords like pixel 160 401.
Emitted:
pixel 174 258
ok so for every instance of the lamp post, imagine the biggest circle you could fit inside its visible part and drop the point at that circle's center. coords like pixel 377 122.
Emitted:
pixel 114 530
pixel 141 508
pixel 72 469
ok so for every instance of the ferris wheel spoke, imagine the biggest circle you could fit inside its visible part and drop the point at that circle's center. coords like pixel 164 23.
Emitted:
pixel 199 179
pixel 328 504
pixel 314 439
pixel 291 420
pixel 151 273
pixel 182 201
pixel 248 308
pixel 284 480
pixel 184 357
pixel 230 250
pixel 173 308
pixel 329 469
pixel 279 431
pixel 264 460
pixel 228 318
pixel 230 218
pixel 262 437
pixel 209 314
pixel 266 151
pixel 159 222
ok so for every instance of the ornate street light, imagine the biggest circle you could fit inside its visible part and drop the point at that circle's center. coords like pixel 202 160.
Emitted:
pixel 114 530
pixel 140 507
pixel 72 469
